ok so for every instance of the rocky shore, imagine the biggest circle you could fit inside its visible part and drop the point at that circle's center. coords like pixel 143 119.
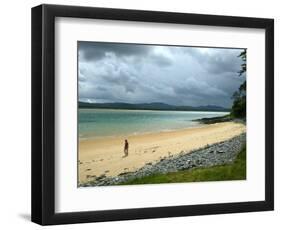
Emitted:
pixel 211 155
pixel 213 120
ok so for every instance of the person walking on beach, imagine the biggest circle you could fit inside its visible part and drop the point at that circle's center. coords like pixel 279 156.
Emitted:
pixel 126 148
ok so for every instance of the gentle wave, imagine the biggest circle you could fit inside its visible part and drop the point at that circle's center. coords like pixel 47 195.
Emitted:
pixel 96 123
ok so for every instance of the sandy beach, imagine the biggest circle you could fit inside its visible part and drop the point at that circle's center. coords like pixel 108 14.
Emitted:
pixel 105 155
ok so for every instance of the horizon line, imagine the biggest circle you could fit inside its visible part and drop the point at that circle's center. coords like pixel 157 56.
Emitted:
pixel 152 103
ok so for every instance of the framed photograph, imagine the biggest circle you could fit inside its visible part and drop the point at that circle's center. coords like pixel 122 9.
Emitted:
pixel 142 114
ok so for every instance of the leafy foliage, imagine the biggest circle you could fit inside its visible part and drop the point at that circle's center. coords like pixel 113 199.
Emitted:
pixel 239 97
pixel 243 56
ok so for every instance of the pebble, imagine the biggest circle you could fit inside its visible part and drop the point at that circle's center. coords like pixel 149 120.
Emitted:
pixel 210 155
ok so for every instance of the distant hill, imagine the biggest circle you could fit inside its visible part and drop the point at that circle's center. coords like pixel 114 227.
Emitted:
pixel 150 106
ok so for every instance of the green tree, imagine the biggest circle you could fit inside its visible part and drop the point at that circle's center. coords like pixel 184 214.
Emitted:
pixel 238 109
pixel 243 56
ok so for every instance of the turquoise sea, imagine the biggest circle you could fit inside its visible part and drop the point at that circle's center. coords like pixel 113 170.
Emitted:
pixel 95 123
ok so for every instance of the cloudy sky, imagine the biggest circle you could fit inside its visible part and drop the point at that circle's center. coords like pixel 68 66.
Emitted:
pixel 115 72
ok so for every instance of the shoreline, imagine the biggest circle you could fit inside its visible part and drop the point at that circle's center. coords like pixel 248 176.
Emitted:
pixel 222 153
pixel 103 157
pixel 94 134
pixel 197 124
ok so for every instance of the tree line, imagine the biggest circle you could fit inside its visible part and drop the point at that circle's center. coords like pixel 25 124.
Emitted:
pixel 238 109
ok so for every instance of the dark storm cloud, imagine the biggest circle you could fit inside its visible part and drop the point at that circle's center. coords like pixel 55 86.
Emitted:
pixel 112 72
pixel 222 62
pixel 215 60
pixel 96 50
pixel 160 60
pixel 123 79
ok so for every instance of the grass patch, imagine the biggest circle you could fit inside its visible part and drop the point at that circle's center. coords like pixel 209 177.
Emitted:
pixel 234 171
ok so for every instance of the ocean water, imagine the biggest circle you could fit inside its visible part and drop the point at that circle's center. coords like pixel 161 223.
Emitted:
pixel 96 123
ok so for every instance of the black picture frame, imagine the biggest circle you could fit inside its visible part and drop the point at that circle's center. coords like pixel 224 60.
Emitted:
pixel 43 114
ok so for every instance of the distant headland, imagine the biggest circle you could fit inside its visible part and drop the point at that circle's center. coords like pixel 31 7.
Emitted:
pixel 150 106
